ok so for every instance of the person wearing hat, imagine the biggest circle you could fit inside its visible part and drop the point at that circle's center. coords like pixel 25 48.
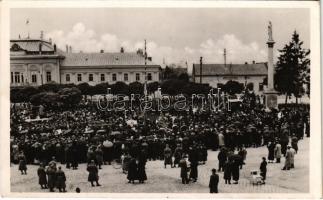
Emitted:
pixel 42 179
pixel 93 173
pixel 60 180
pixel 263 169
pixel 222 157
pixel 22 163
pixel 214 181
pixel 278 151
pixel 184 170
pixel 288 159
pixel 168 156
pixel 177 154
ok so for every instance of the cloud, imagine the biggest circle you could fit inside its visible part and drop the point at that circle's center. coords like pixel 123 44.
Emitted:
pixel 83 39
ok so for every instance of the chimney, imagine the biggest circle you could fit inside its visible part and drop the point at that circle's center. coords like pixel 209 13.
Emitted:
pixel 253 62
pixel 66 48
pixel 149 58
pixel 70 49
pixel 54 47
pixel 41 35
pixel 50 40
pixel 246 63
pixel 101 51
pixel 40 48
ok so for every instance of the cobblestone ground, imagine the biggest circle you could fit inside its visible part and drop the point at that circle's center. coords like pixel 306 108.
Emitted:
pixel 162 180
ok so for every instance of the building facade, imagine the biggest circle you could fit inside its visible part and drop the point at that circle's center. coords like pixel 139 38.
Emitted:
pixel 219 74
pixel 37 62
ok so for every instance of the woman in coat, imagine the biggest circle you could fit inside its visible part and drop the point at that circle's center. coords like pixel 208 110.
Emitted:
pixel 60 180
pixel 141 171
pixel 99 156
pixel 93 173
pixel 22 163
pixel 278 152
pixel 271 152
pixel 51 175
pixel 177 154
pixel 42 179
pixel 227 172
pixel 235 171
pixel 132 171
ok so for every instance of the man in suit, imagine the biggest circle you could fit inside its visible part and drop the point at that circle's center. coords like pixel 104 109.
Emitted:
pixel 214 181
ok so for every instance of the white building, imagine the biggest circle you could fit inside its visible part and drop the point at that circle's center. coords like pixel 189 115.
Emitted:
pixel 36 62
pixel 217 74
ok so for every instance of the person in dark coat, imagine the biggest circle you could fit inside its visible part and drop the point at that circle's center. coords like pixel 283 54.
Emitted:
pixel 227 172
pixel 132 171
pixel 141 171
pixel 51 176
pixel 214 181
pixel 60 180
pixel 93 173
pixel 22 163
pixel 184 170
pixel 263 169
pixel 271 152
pixel 99 156
pixel 193 158
pixel 235 171
pixel 294 143
pixel 75 156
pixel 42 179
pixel 178 155
pixel 222 157
pixel 168 156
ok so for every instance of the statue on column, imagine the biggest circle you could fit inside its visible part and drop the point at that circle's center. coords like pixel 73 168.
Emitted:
pixel 270 32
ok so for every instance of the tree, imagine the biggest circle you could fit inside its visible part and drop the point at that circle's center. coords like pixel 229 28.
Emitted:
pixel 233 87
pixel 70 96
pixel 119 88
pixel 183 77
pixel 50 87
pixel 136 88
pixel 293 69
pixel 152 87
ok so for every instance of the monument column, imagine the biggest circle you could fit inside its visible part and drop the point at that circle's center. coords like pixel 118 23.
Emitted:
pixel 271 94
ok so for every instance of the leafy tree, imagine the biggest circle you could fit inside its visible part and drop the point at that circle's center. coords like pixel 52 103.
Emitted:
pixel 152 87
pixel 136 88
pixel 233 87
pixel 183 77
pixel 36 99
pixel 50 87
pixel 101 88
pixel 15 95
pixel 293 69
pixel 70 96
pixel 119 88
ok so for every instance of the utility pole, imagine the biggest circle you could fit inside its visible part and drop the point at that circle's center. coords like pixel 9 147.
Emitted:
pixel 145 85
pixel 225 57
pixel 201 63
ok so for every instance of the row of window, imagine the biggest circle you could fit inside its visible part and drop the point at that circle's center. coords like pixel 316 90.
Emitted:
pixel 18 77
pixel 102 77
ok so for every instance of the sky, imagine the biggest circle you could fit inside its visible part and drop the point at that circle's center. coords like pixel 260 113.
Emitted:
pixel 174 35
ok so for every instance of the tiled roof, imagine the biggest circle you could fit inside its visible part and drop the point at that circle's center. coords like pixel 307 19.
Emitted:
pixel 32 44
pixel 103 59
pixel 231 69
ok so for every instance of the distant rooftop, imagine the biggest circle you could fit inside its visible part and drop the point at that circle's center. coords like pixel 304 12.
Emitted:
pixel 231 69
pixel 32 45
pixel 103 59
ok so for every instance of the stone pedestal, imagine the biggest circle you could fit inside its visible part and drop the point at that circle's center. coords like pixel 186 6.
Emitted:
pixel 271 99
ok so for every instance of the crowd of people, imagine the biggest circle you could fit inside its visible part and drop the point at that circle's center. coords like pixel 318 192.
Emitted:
pixel 182 139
